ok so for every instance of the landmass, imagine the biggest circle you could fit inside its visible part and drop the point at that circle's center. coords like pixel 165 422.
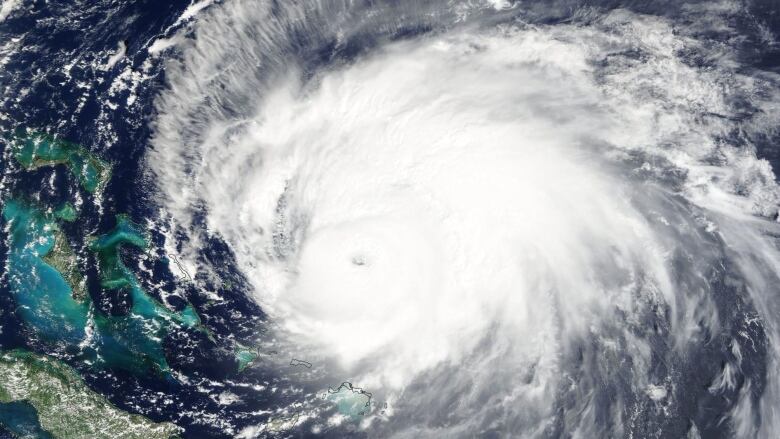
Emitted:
pixel 64 407
pixel 66 213
pixel 46 300
pixel 296 362
pixel 245 357
pixel 115 275
pixel 282 423
pixel 181 267
pixel 62 258
pixel 350 401
pixel 148 319
pixel 34 149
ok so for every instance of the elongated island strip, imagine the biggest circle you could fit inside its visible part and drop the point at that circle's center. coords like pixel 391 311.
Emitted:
pixel 33 149
pixel 62 258
pixel 65 406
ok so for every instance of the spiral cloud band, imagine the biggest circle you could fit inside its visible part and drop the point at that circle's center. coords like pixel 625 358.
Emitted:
pixel 501 223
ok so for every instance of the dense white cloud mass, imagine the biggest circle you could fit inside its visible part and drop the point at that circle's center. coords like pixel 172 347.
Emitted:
pixel 501 227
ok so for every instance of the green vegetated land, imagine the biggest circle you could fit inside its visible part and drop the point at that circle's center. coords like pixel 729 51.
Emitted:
pixel 47 397
pixel 34 149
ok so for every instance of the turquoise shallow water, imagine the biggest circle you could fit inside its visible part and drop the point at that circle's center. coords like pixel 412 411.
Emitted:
pixel 116 276
pixel 119 355
pixel 47 305
pixel 352 402
pixel 45 299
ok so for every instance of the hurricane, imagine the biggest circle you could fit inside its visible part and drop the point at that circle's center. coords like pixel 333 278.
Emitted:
pixel 504 219
pixel 401 219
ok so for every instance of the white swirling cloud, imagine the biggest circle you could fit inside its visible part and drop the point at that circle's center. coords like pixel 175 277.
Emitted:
pixel 475 203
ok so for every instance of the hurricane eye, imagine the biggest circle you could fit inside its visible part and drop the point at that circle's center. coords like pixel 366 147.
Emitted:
pixel 517 218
